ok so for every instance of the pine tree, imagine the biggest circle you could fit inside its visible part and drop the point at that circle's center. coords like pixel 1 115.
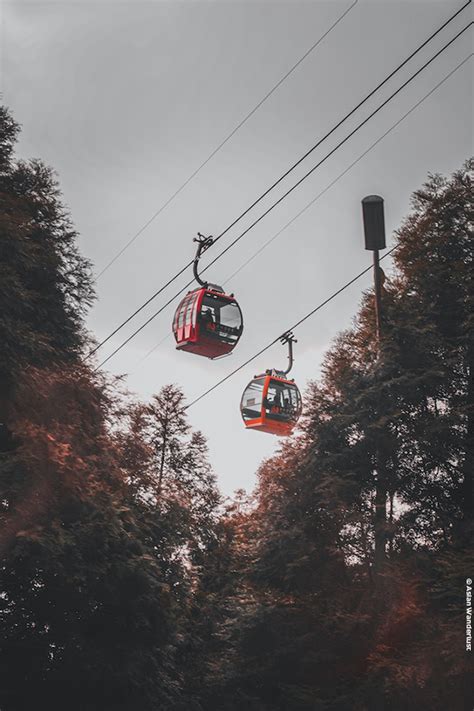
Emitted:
pixel 86 613
pixel 312 627
pixel 45 285
pixel 90 603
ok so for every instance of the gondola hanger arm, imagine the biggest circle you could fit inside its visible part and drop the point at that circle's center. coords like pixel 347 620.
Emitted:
pixel 203 244
pixel 288 338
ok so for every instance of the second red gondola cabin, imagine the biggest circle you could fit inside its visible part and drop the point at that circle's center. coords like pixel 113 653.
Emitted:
pixel 271 403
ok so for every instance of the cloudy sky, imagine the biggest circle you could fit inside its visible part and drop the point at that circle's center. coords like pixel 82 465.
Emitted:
pixel 126 99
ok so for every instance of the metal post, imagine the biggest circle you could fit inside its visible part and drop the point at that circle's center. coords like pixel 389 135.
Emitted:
pixel 374 231
pixel 378 299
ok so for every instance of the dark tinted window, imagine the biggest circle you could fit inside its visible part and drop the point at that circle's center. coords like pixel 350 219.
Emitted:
pixel 283 401
pixel 222 317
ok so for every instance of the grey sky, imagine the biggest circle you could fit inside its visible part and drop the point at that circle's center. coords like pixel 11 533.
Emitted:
pixel 126 99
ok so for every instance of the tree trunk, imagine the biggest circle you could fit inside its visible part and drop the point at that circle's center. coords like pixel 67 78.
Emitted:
pixel 380 522
pixel 163 454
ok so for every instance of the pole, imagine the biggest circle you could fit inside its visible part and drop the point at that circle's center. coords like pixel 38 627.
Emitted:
pixel 378 300
pixel 374 230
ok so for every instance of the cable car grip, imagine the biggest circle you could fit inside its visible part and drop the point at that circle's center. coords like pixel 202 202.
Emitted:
pixel 289 338
pixel 203 244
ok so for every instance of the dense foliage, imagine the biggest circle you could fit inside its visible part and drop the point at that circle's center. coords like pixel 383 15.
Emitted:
pixel 106 508
pixel 338 586
pixel 386 448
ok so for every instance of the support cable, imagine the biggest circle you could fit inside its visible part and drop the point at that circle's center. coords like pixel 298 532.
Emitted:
pixel 279 180
pixel 292 328
pixel 222 144
pixel 331 184
pixel 288 192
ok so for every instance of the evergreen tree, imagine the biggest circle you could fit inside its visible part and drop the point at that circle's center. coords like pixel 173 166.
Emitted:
pixel 87 618
pixel 94 575
pixel 316 629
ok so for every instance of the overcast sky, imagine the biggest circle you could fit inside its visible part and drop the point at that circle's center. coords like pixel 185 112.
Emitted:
pixel 126 99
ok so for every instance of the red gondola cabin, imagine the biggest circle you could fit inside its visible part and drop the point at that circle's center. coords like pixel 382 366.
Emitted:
pixel 208 322
pixel 271 403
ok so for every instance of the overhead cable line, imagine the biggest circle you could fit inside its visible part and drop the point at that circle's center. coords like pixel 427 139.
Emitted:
pixel 328 187
pixel 346 170
pixel 342 142
pixel 222 144
pixel 292 328
pixel 282 177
